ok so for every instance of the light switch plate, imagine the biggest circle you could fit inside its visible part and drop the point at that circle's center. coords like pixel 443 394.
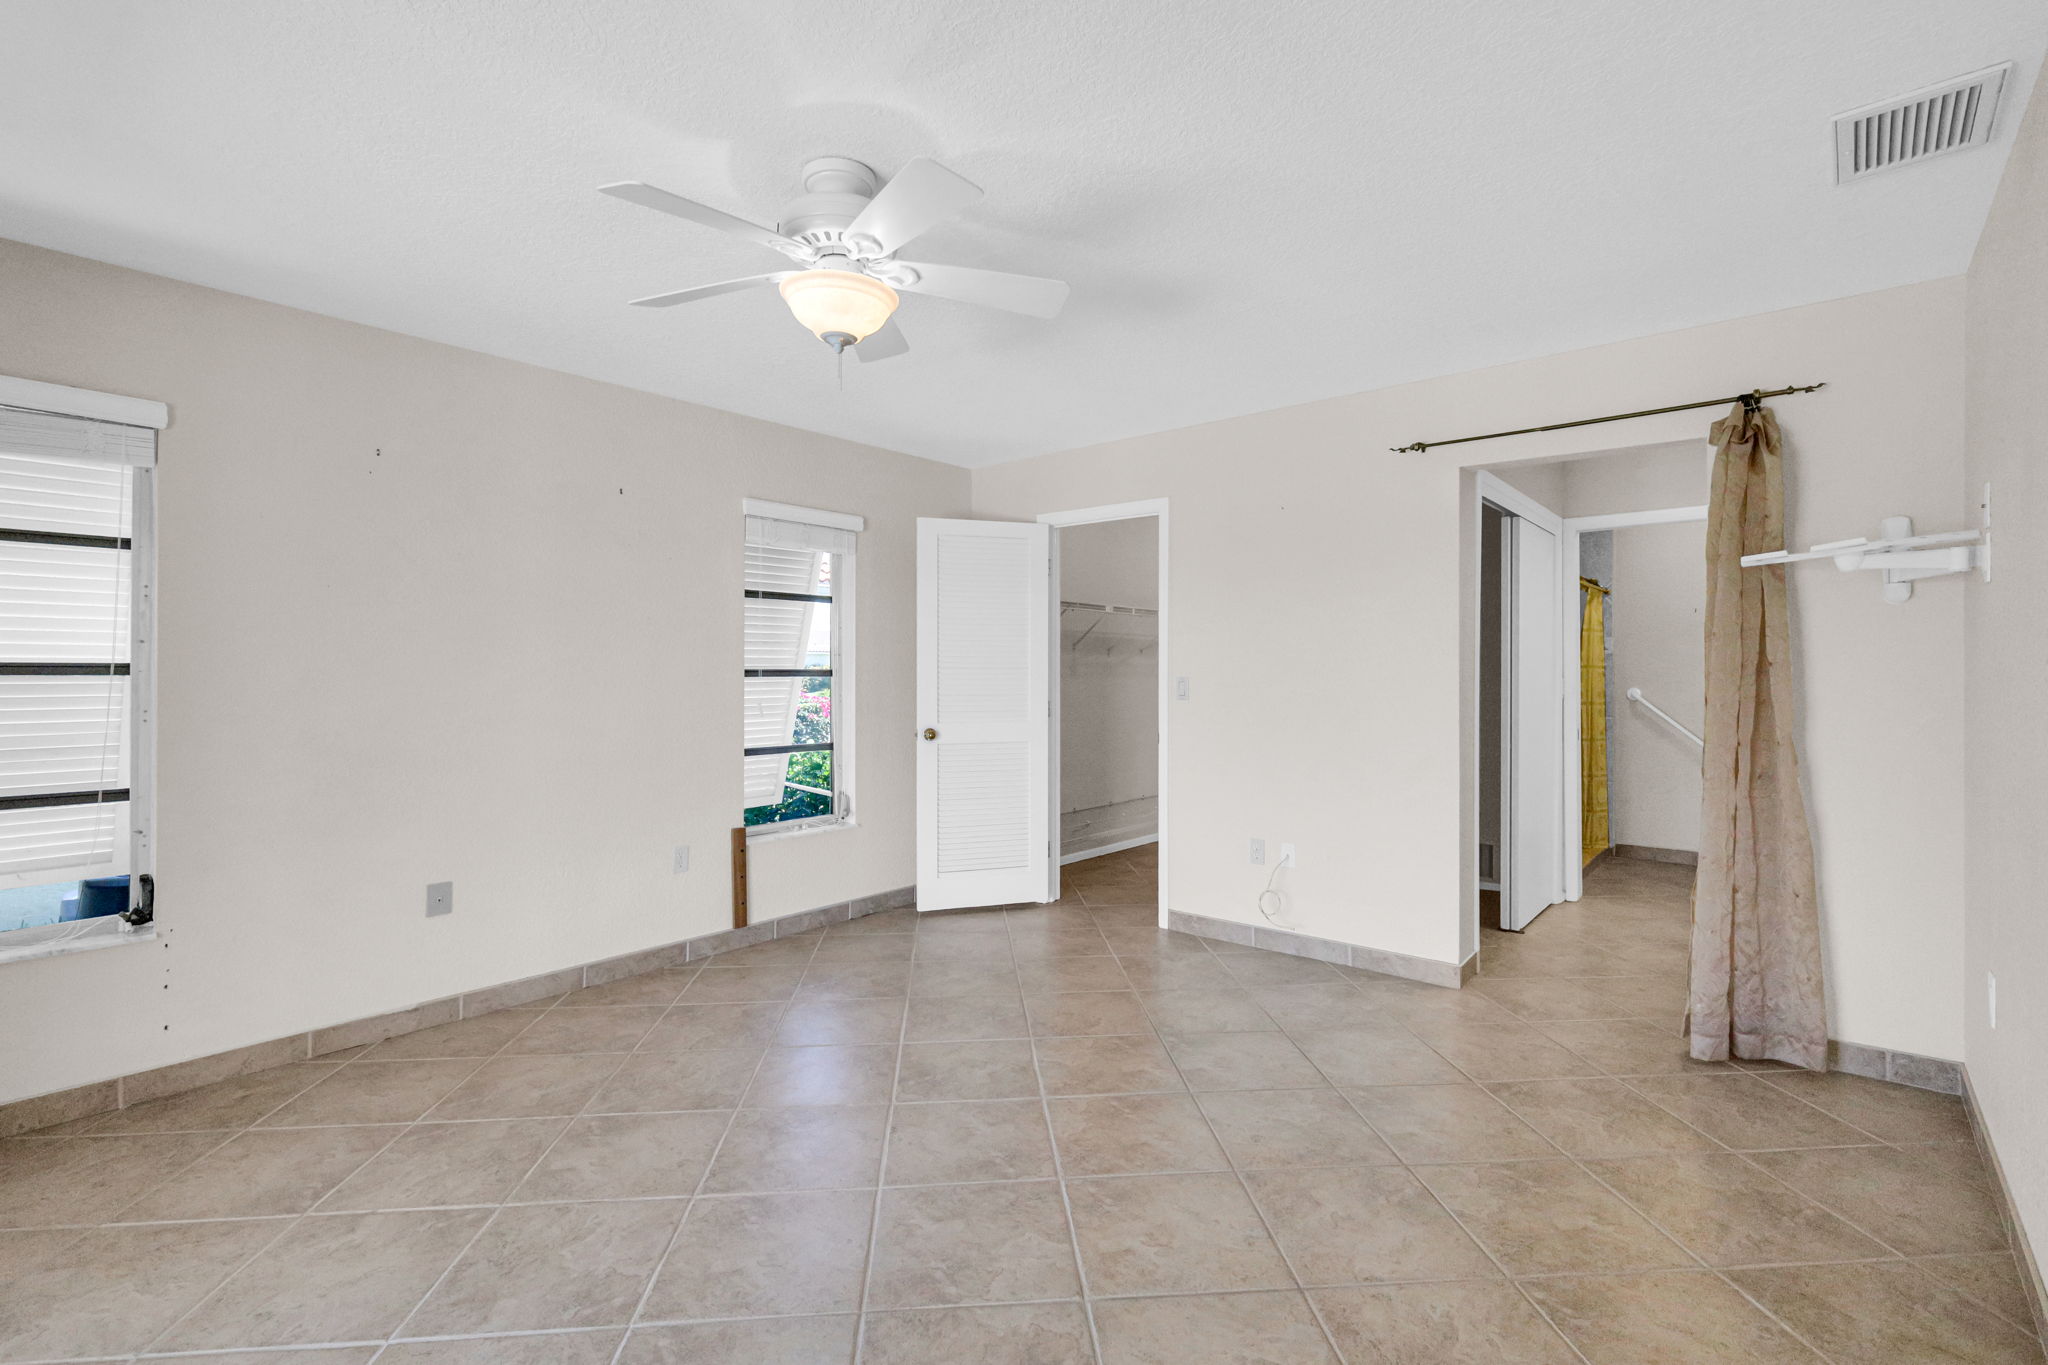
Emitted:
pixel 440 898
pixel 682 857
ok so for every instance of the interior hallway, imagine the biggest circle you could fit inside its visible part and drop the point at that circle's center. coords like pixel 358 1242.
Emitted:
pixel 1050 1135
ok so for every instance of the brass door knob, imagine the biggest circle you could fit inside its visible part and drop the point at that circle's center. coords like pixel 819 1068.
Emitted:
pixel 931 734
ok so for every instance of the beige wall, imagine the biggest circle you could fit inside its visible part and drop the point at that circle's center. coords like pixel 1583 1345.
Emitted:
pixel 1658 606
pixel 1109 681
pixel 2007 661
pixel 1543 481
pixel 1313 565
pixel 1640 479
pixel 1112 562
pixel 428 615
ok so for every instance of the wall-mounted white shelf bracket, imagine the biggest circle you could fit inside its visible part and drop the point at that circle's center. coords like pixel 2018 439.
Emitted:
pixel 1900 556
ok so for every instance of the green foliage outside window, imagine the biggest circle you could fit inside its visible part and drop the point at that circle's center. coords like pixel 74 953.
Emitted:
pixel 813 726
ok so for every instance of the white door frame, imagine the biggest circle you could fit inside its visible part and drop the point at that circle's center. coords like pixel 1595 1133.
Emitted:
pixel 1512 500
pixel 1574 792
pixel 1084 516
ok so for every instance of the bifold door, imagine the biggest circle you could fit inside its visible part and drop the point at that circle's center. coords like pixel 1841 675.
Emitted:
pixel 984 714
pixel 1535 813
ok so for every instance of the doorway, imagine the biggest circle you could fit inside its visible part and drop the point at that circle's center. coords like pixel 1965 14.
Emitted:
pixel 998 821
pixel 1109 686
pixel 1589 672
pixel 1522 863
pixel 1113 693
pixel 1642 699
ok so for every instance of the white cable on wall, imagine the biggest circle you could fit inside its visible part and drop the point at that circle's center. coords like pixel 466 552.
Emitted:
pixel 1272 900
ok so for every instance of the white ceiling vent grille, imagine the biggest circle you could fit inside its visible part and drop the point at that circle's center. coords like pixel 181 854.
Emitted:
pixel 1927 123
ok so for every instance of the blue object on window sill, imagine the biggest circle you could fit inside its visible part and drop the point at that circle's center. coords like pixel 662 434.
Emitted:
pixel 97 896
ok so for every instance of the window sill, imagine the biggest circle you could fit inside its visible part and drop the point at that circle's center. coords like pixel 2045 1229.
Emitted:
pixel 64 940
pixel 777 835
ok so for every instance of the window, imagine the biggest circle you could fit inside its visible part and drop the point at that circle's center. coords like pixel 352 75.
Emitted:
pixel 797 664
pixel 74 540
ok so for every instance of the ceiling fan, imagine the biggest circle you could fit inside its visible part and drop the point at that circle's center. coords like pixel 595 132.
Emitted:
pixel 843 233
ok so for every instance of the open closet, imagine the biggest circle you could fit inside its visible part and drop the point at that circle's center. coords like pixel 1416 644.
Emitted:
pixel 1109 686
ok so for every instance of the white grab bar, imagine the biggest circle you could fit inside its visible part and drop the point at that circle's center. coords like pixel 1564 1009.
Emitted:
pixel 1635 694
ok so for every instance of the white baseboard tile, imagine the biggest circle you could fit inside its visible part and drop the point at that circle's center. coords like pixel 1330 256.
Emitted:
pixel 1645 853
pixel 1435 973
pixel 1900 1068
pixel 1104 850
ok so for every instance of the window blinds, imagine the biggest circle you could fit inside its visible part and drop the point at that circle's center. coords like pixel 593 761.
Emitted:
pixel 788 557
pixel 66 578
pixel 775 533
pixel 49 436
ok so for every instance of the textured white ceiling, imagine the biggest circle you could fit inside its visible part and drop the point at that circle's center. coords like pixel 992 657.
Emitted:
pixel 1258 202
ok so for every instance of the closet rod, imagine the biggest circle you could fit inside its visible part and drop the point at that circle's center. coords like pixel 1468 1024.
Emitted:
pixel 1751 400
pixel 1116 611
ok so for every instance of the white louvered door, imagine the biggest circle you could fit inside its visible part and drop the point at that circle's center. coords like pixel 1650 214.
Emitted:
pixel 984 714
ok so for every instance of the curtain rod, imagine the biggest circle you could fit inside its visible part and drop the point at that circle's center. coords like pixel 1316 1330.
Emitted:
pixel 1749 400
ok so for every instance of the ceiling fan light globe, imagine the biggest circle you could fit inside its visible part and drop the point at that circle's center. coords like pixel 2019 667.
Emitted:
pixel 838 302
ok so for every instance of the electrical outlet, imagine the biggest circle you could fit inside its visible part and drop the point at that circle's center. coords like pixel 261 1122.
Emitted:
pixel 440 898
pixel 682 857
pixel 1287 855
pixel 1181 689
pixel 1258 852
pixel 1991 997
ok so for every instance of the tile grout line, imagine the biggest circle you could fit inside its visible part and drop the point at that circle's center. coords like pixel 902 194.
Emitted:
pixel 299 1218
pixel 690 1205
pixel 1484 1250
pixel 511 1188
pixel 1482 1087
pixel 1895 1255
pixel 1657 1227
pixel 1437 1199
pixel 1286 1261
pixel 1059 1175
pixel 1702 1262
pixel 1235 983
pixel 1699 1261
pixel 867 1270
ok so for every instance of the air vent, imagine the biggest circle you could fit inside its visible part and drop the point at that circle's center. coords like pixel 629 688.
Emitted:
pixel 1927 123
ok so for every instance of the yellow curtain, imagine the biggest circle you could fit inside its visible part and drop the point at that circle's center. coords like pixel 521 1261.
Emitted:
pixel 1593 720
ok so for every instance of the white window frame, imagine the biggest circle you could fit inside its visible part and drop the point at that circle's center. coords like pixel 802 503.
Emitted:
pixel 62 401
pixel 845 596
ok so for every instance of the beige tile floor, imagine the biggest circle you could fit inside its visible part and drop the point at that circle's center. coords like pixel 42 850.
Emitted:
pixel 1032 1137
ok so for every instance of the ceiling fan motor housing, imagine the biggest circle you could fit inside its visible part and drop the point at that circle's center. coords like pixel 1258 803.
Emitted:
pixel 836 189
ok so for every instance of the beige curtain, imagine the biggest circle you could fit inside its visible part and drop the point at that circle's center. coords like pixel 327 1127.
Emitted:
pixel 1756 967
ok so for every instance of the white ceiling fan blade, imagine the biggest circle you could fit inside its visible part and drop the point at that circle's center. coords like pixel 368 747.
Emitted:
pixel 647 196
pixel 882 345
pixel 710 291
pixel 923 194
pixel 1027 294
